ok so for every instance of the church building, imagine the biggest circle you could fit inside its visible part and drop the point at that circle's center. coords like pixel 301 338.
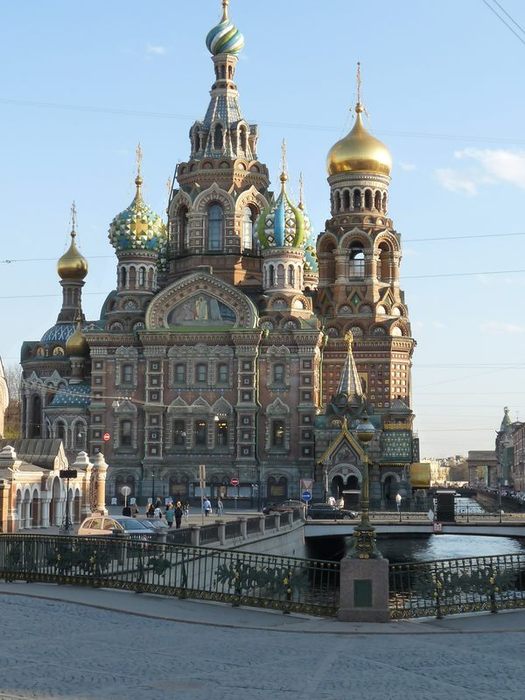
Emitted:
pixel 236 337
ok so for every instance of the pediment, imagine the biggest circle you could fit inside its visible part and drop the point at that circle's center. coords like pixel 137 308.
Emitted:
pixel 201 301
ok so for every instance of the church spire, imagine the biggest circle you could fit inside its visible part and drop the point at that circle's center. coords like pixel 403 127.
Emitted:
pixel 349 383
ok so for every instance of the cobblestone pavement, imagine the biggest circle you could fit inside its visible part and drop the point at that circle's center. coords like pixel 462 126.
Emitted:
pixel 53 649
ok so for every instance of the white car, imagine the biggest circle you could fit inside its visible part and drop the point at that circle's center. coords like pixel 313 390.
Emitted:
pixel 106 526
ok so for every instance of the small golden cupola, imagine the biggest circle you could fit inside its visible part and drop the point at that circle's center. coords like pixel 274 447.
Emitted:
pixel 76 344
pixel 72 265
pixel 359 151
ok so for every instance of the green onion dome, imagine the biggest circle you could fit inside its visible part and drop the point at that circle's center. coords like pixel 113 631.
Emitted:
pixel 281 224
pixel 224 37
pixel 138 227
pixel 310 253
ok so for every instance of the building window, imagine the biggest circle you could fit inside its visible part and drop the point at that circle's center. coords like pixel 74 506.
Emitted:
pixel 142 276
pixel 179 432
pixel 278 374
pixel 183 222
pixel 201 373
pixel 247 366
pixel 246 420
pixel 215 227
pixel 246 396
pixel 180 374
pixel 356 268
pixel 223 373
pixel 125 433
pixel 154 366
pixel 291 275
pixel 80 437
pixel 277 433
pixel 201 432
pixel 221 433
pixel 248 229
pixel 127 374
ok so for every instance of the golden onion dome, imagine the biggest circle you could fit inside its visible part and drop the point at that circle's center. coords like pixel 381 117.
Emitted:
pixel 72 265
pixel 359 151
pixel 77 345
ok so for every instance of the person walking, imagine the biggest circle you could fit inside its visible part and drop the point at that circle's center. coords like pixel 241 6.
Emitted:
pixel 151 511
pixel 220 507
pixel 178 514
pixel 207 506
pixel 169 515
pixel 157 513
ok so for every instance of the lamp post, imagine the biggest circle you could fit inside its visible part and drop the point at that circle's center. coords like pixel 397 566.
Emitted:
pixel 152 485
pixel 398 504
pixel 363 543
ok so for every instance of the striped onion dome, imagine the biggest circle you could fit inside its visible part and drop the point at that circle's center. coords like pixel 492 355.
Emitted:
pixel 224 37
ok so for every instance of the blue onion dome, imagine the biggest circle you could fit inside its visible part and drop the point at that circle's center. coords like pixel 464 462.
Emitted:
pixel 58 333
pixel 224 37
pixel 281 224
pixel 138 227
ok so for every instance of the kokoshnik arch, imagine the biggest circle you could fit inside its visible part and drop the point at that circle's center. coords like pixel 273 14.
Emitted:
pixel 235 336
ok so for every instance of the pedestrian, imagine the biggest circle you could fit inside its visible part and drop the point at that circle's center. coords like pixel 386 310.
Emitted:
pixel 134 510
pixel 220 507
pixel 151 511
pixel 126 511
pixel 157 513
pixel 186 510
pixel 331 501
pixel 207 506
pixel 178 514
pixel 170 515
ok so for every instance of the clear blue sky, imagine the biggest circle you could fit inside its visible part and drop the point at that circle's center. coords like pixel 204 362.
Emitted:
pixel 443 85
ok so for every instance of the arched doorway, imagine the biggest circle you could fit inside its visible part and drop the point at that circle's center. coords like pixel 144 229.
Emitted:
pixel 120 481
pixel 337 487
pixel 277 488
pixel 55 506
pixel 390 489
pixel 35 510
pixel 76 507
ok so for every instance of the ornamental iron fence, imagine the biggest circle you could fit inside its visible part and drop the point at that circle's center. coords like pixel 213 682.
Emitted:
pixel 450 586
pixel 289 584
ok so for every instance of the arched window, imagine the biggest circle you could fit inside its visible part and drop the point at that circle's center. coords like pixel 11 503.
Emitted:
pixel 126 376
pixel 79 436
pixel 384 202
pixel 125 433
pixel 368 199
pixel 357 199
pixel 291 275
pixel 142 276
pixel 272 276
pixel 377 200
pixel 243 142
pixel 385 262
pixel 356 266
pixel 201 432
pixel 248 228
pixel 36 417
pixel 215 227
pixel 180 373
pixel 277 433
pixel 346 200
pixel 201 373
pixel 61 432
pixel 183 226
pixel 218 138
pixel 221 433
pixel 123 277
pixel 223 373
pixel 337 201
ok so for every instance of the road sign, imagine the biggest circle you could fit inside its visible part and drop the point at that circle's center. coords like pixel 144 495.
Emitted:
pixel 106 437
pixel 306 485
pixel 68 473
pixel 306 496
pixel 234 482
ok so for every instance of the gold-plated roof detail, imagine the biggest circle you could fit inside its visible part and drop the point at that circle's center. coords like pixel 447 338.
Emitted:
pixel 76 344
pixel 359 151
pixel 72 265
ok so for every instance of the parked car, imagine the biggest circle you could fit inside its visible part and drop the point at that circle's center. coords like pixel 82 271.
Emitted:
pixel 283 507
pixel 106 526
pixel 324 511
pixel 155 524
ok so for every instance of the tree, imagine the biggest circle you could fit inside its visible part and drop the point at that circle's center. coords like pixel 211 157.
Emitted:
pixel 13 377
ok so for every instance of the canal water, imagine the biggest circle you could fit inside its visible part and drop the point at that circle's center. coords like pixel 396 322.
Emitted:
pixel 405 549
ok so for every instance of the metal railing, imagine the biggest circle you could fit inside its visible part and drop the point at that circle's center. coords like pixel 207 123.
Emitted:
pixel 450 586
pixel 233 529
pixel 289 584
pixel 210 533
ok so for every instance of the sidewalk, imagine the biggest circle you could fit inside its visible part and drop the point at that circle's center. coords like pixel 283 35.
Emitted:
pixel 65 643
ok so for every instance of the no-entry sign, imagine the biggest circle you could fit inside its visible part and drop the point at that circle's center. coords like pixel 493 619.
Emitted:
pixel 106 437
pixel 234 482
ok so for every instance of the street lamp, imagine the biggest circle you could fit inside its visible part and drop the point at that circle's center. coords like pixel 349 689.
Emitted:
pixel 363 544
pixel 398 504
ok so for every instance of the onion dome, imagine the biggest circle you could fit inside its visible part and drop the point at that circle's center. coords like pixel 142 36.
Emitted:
pixel 77 345
pixel 359 151
pixel 281 224
pixel 310 253
pixel 72 265
pixel 224 37
pixel 138 227
pixel 58 333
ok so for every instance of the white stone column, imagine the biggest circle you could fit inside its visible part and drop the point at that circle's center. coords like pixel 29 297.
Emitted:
pixel 44 504
pixel 82 464
pixel 100 467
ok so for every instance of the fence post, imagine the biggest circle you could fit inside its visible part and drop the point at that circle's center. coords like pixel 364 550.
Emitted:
pixel 277 521
pixel 195 535
pixel 244 527
pixel 364 590
pixel 221 527
pixel 262 524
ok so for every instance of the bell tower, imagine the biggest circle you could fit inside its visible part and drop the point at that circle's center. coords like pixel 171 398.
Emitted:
pixel 359 256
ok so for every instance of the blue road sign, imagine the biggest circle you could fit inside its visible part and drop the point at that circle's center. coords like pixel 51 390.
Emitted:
pixel 306 496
